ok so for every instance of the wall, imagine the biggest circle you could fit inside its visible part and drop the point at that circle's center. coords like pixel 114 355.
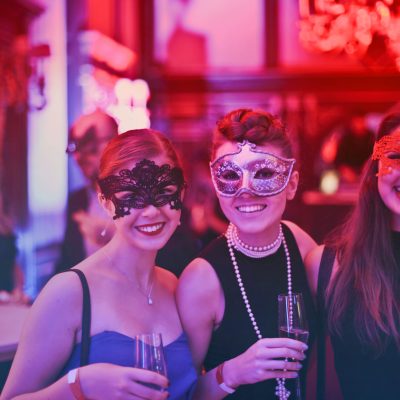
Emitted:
pixel 47 140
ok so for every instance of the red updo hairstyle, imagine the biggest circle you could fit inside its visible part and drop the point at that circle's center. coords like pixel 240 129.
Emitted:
pixel 135 145
pixel 258 127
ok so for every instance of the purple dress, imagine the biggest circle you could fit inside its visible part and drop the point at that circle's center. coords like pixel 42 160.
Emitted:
pixel 116 348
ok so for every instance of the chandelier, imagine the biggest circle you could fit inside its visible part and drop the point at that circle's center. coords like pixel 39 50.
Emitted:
pixel 352 27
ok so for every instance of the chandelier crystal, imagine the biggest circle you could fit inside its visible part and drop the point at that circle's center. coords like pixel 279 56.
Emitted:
pixel 351 26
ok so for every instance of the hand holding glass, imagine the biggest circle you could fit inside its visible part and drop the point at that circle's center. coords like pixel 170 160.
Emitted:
pixel 149 353
pixel 292 322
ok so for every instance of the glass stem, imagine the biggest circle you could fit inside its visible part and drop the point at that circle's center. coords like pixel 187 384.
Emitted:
pixel 298 388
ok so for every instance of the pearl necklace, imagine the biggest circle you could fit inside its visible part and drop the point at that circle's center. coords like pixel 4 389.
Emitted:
pixel 280 391
pixel 255 251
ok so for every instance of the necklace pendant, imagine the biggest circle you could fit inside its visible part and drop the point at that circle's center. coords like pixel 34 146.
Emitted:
pixel 149 300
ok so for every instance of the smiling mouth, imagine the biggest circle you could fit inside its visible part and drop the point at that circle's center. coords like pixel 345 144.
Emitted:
pixel 151 229
pixel 251 208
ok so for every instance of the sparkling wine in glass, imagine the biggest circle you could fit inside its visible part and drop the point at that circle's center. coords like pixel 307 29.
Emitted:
pixel 293 323
pixel 149 354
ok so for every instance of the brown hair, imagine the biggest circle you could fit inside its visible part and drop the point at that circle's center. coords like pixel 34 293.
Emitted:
pixel 135 145
pixel 258 127
pixel 368 278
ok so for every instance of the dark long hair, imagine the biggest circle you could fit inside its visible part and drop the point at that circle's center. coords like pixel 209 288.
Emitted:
pixel 368 278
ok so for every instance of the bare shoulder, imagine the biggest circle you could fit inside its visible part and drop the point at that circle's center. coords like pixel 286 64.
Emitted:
pixel 200 305
pixel 198 275
pixel 62 295
pixel 312 262
pixel 63 289
pixel 199 286
pixel 305 242
pixel 51 325
pixel 314 256
pixel 168 279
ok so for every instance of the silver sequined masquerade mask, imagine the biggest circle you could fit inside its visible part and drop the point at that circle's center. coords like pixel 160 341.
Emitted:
pixel 145 184
pixel 250 170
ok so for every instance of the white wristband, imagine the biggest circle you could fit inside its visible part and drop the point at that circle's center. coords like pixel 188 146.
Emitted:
pixel 74 384
pixel 220 380
pixel 226 388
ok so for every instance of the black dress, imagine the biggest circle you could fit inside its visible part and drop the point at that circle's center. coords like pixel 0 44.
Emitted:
pixel 361 374
pixel 264 279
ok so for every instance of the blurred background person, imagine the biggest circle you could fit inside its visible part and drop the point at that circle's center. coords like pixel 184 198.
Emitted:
pixel 11 275
pixel 87 225
pixel 206 218
pixel 354 148
pixel 181 247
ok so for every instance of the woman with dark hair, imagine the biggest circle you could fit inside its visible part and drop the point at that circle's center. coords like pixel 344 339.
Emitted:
pixel 228 296
pixel 79 340
pixel 361 271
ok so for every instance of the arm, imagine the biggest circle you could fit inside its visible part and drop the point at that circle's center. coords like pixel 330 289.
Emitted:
pixel 200 290
pixel 46 343
pixel 47 337
pixel 103 382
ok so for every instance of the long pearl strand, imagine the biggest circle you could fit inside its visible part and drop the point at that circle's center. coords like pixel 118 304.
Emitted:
pixel 281 392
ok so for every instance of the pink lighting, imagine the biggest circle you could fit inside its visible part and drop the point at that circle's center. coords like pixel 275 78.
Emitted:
pixel 105 50
pixel 351 27
pixel 130 109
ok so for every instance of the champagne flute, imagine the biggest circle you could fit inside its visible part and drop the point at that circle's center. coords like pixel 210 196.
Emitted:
pixel 149 354
pixel 292 323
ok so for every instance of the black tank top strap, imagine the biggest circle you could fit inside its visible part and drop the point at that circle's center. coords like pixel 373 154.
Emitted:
pixel 324 275
pixel 86 318
pixel 292 244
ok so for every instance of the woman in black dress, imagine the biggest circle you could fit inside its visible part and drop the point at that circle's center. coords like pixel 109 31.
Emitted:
pixel 361 270
pixel 227 297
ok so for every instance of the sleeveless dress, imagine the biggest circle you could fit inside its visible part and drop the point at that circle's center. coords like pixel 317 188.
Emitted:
pixel 117 348
pixel 264 279
pixel 361 374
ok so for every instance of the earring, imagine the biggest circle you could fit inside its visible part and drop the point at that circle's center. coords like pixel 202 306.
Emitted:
pixel 103 233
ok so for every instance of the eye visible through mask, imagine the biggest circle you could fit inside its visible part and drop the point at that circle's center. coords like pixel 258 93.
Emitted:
pixel 145 184
pixel 250 170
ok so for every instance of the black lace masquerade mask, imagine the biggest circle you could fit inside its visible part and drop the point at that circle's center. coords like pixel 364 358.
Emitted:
pixel 145 184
